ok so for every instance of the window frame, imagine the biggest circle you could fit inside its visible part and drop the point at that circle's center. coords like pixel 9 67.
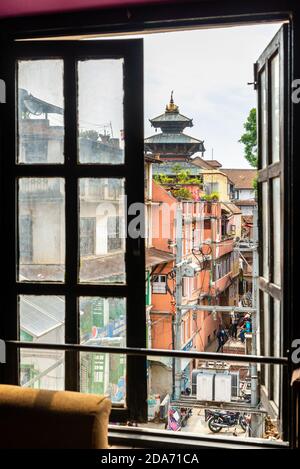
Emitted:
pixel 131 51
pixel 266 175
pixel 188 15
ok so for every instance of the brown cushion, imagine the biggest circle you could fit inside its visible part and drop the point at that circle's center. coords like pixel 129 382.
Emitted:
pixel 32 418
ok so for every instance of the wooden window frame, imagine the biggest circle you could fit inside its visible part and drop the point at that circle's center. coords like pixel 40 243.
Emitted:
pixel 71 170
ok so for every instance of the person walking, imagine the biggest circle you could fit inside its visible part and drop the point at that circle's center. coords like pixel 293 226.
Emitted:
pixel 234 327
pixel 220 337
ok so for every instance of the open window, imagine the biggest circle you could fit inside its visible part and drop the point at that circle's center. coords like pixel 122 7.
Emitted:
pixel 71 190
pixel 77 273
pixel 272 81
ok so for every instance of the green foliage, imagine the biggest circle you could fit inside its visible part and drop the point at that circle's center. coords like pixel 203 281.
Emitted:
pixel 211 197
pixel 182 193
pixel 89 134
pixel 249 139
pixel 176 168
pixel 254 184
pixel 183 176
pixel 162 179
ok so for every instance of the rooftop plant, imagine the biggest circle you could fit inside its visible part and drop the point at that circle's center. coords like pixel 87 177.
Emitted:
pixel 182 193
pixel 211 197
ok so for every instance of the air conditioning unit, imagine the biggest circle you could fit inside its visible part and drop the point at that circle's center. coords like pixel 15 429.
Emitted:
pixel 190 270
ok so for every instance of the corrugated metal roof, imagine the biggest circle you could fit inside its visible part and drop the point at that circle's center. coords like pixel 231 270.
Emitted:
pixel 230 207
pixel 171 138
pixel 39 314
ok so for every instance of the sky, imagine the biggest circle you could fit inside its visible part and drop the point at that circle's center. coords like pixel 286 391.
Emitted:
pixel 208 69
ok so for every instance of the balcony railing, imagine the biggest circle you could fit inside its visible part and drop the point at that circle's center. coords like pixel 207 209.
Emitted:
pixel 40 185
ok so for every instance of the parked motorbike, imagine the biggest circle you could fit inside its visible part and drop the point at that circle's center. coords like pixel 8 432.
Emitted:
pixel 218 419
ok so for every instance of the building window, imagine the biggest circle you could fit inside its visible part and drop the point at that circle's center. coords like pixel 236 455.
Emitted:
pixel 36 151
pixel 159 284
pixel 114 241
pixel 25 243
pixel 87 236
pixel 212 187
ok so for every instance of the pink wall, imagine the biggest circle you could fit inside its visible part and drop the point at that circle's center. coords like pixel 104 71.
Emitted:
pixel 33 7
pixel 163 217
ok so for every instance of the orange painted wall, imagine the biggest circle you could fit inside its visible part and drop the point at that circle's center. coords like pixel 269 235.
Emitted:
pixel 163 221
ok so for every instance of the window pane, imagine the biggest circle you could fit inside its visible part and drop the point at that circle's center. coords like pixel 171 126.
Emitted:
pixel 277 351
pixel 263 116
pixel 42 320
pixel 101 126
pixel 103 373
pixel 267 336
pixel 277 231
pixel 103 321
pixel 41 230
pixel 42 369
pixel 265 229
pixel 275 108
pixel 40 111
pixel 102 239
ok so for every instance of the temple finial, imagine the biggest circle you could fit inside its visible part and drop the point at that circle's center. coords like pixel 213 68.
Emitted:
pixel 171 107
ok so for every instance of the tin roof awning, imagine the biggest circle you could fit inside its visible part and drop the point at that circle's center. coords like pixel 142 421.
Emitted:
pixel 231 209
pixel 156 256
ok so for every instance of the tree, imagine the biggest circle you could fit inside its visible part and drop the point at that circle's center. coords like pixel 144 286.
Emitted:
pixel 249 139
pixel 89 134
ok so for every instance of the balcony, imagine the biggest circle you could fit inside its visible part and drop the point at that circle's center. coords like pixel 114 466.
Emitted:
pixel 220 285
pixel 223 247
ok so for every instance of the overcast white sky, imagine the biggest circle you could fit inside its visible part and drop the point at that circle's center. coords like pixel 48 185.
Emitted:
pixel 208 71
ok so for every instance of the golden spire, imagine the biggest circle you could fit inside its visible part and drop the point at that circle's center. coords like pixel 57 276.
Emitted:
pixel 171 107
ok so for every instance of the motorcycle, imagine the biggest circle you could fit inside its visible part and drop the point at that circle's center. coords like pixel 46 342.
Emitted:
pixel 218 419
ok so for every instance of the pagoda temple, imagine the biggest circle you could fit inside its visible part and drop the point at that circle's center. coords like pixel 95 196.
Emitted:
pixel 171 144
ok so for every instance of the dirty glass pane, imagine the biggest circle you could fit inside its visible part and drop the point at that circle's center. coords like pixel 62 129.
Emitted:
pixel 277 231
pixel 277 351
pixel 102 223
pixel 40 112
pixel 100 111
pixel 42 369
pixel 41 233
pixel 275 108
pixel 265 229
pixel 267 336
pixel 103 321
pixel 42 319
pixel 263 116
pixel 103 373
